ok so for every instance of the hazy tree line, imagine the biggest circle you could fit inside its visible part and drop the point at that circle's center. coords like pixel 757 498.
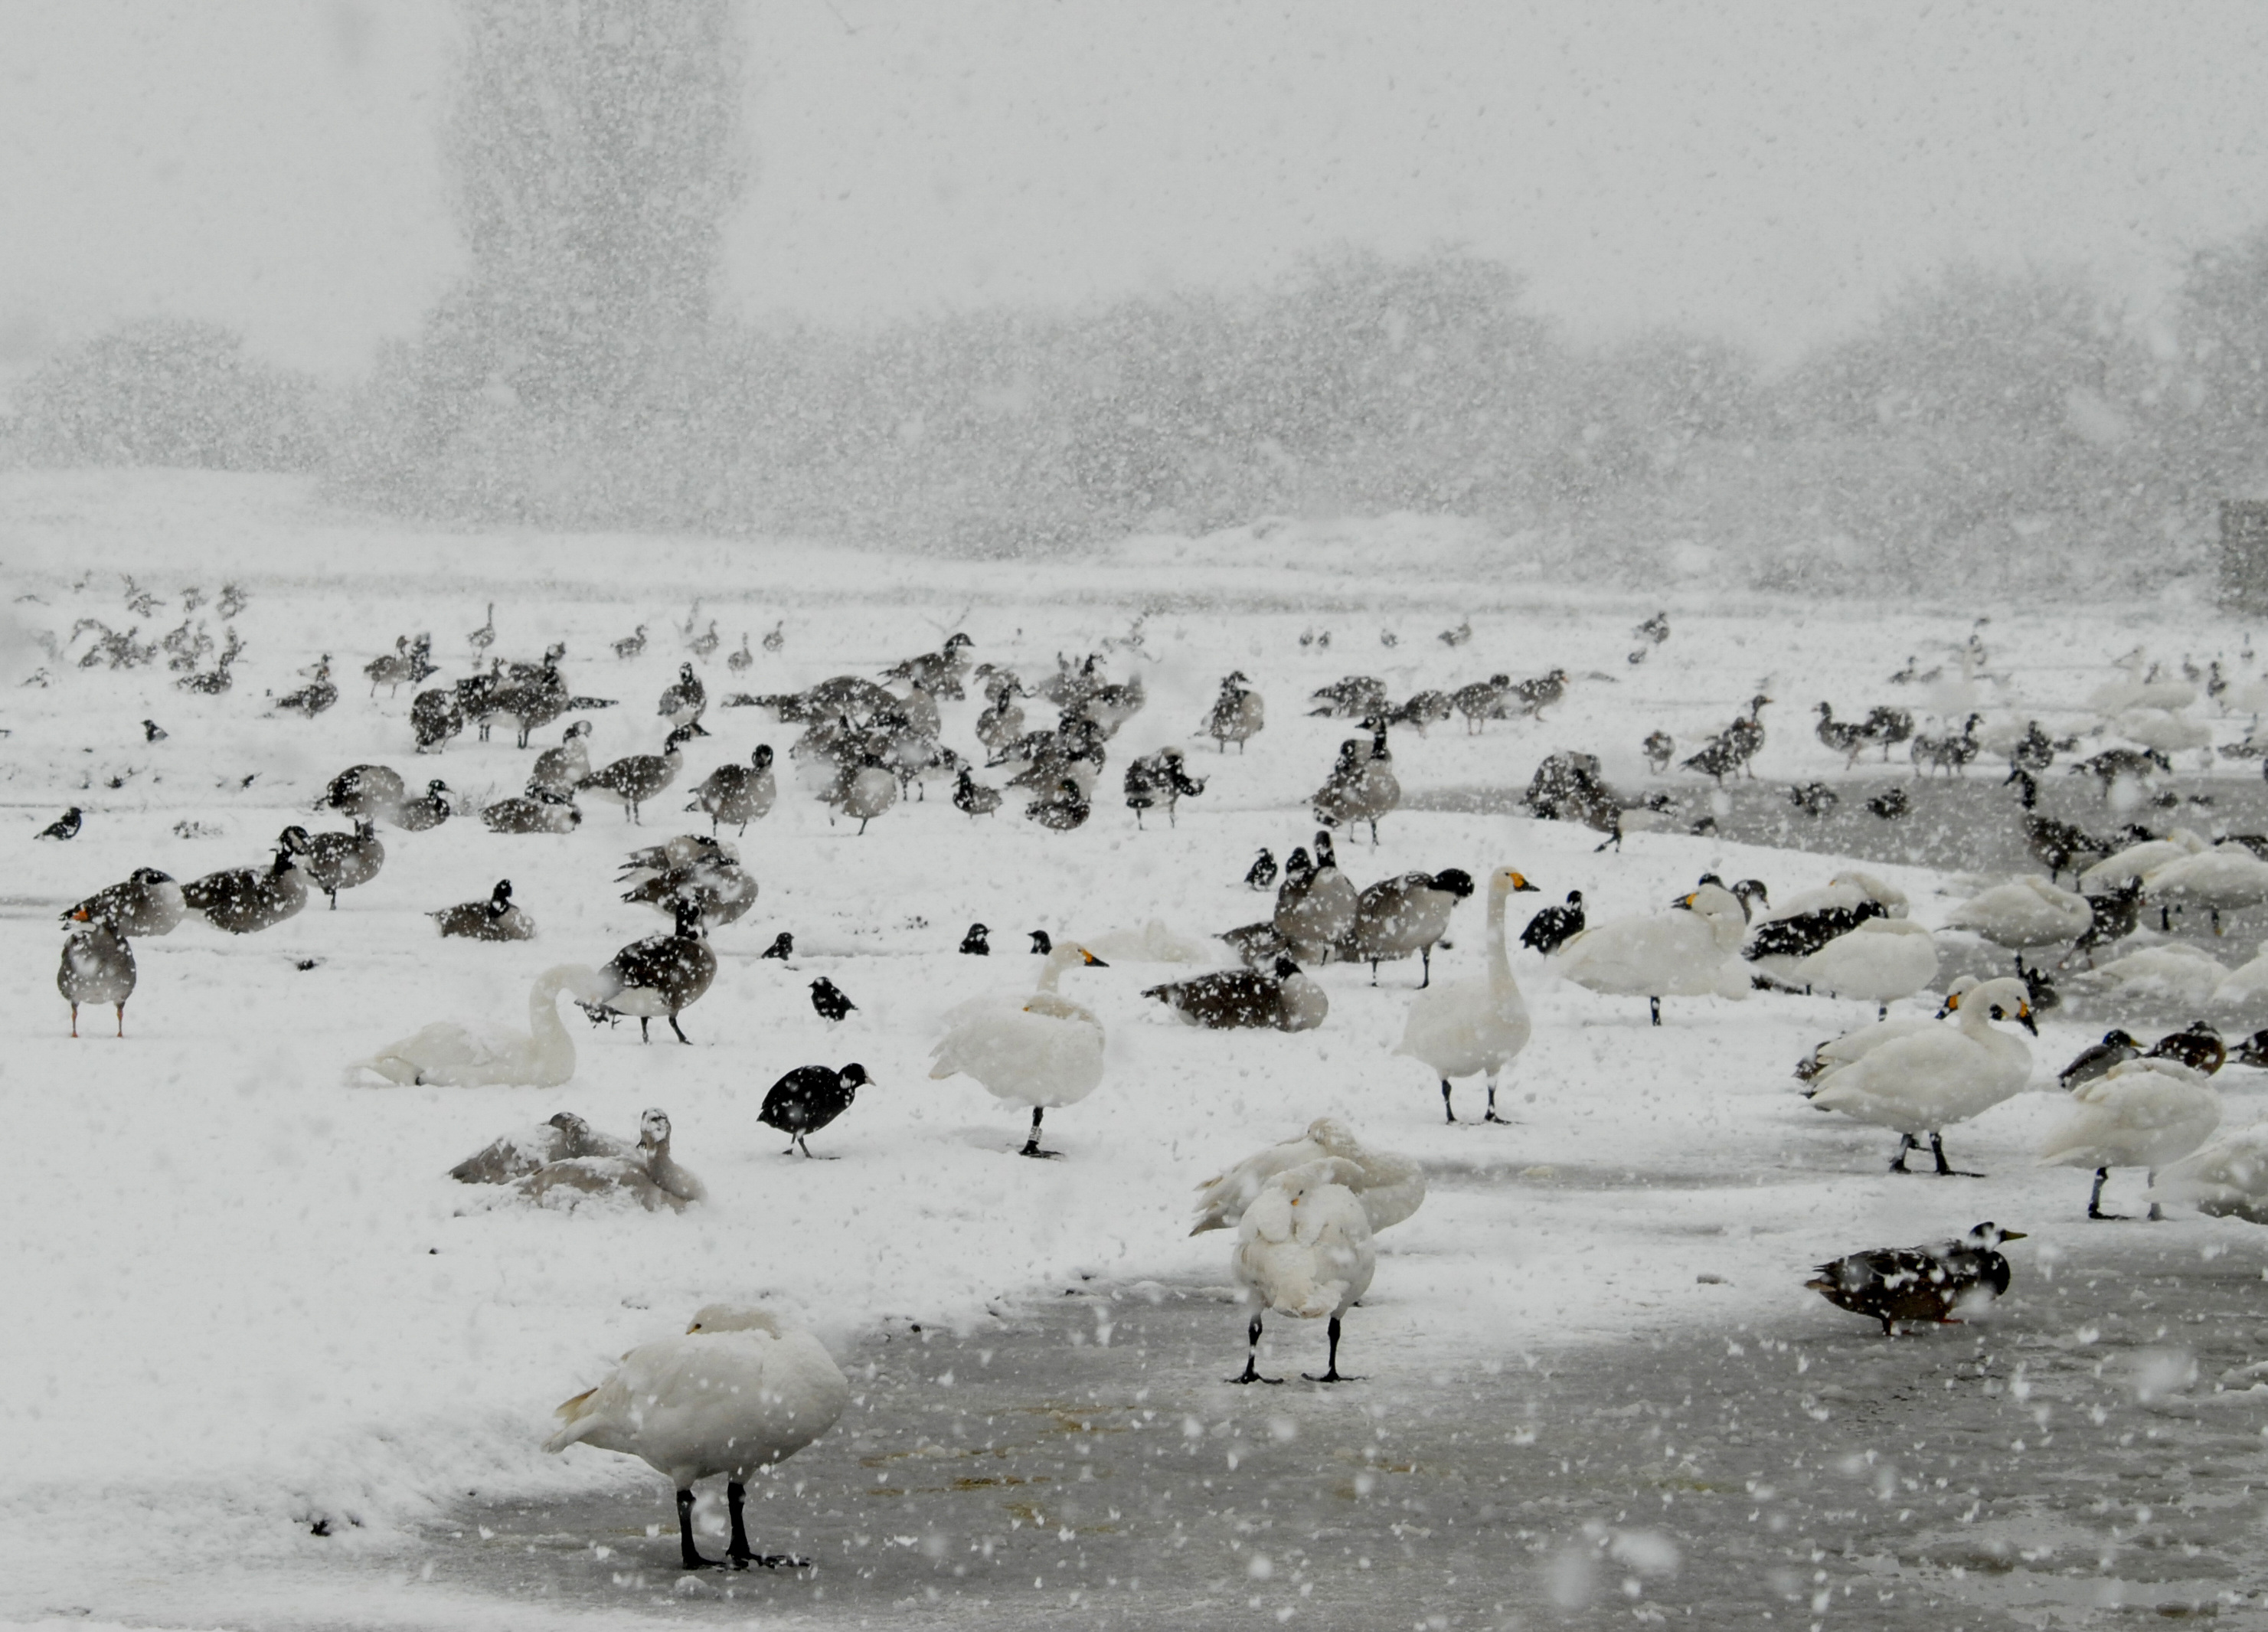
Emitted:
pixel 1985 425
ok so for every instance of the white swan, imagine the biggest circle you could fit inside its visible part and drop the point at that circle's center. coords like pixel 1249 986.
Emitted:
pixel 2136 690
pixel 1303 1249
pixel 2246 984
pixel 1466 1028
pixel 1846 890
pixel 1691 950
pixel 2140 1113
pixel 2178 972
pixel 1927 1081
pixel 2024 912
pixel 735 1394
pixel 2227 878
pixel 1043 1052
pixel 1861 1041
pixel 1881 960
pixel 2168 731
pixel 2229 1179
pixel 1389 1188
pixel 2135 862
pixel 1154 942
pixel 457 1054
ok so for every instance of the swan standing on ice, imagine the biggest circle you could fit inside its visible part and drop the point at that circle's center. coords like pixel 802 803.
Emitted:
pixel 1691 950
pixel 1467 1028
pixel 735 1394
pixel 1927 1081
pixel 1303 1249
pixel 453 1054
pixel 1881 961
pixel 2229 1179
pixel 1389 1188
pixel 2140 1113
pixel 1044 1051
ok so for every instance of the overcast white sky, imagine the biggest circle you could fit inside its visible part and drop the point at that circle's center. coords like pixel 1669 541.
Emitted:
pixel 1764 171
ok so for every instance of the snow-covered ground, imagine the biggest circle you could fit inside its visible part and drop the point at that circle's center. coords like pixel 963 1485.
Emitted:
pixel 243 1299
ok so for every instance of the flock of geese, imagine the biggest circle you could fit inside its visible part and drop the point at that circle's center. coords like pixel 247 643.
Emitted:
pixel 740 1390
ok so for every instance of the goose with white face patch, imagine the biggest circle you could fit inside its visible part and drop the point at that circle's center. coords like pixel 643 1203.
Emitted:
pixel 458 1054
pixel 1303 1249
pixel 1043 1052
pixel 1691 950
pixel 1475 1027
pixel 1930 1079
pixel 2143 1113
pixel 738 1393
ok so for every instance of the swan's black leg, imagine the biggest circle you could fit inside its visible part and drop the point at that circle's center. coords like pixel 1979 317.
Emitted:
pixel 679 1030
pixel 1251 1356
pixel 1491 1115
pixel 689 1553
pixel 1331 1371
pixel 1653 1006
pixel 1946 1170
pixel 1906 1142
pixel 1425 953
pixel 642 1038
pixel 1032 1145
pixel 1447 1109
pixel 2094 1199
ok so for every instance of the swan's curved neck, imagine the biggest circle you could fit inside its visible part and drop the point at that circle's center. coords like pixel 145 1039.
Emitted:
pixel 552 1040
pixel 1052 972
pixel 1499 962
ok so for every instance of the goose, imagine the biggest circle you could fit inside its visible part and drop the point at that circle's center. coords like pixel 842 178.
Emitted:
pixel 2140 1113
pixel 1837 1052
pixel 1304 1249
pixel 971 797
pixel 531 700
pixel 245 900
pixel 97 967
pixel 630 645
pixel 1350 699
pixel 454 1054
pixel 313 698
pixel 516 1155
pixel 867 792
pixel 1927 1082
pixel 736 1394
pixel 1691 950
pixel 936 671
pixel 436 716
pixel 809 1098
pixel 660 975
pixel 1396 917
pixel 1159 778
pixel 1282 999
pixel 717 883
pixel 648 1175
pixel 1951 753
pixel 1044 1051
pixel 1918 1283
pixel 1553 927
pixel 682 703
pixel 360 790
pixel 2025 912
pixel 1881 961
pixel 1481 701
pixel 2227 878
pixel 1536 695
pixel 532 816
pixel 1063 811
pixel 1238 713
pixel 2063 846
pixel 426 812
pixel 2114 765
pixel 1847 737
pixel 2116 1048
pixel 2228 1179
pixel 653 860
pixel 149 903
pixel 637 778
pixel 1389 1188
pixel 741 659
pixel 1002 722
pixel 1315 907
pixel 1361 787
pixel 1262 874
pixel 1424 711
pixel 336 861
pixel 560 771
pixel 1471 1028
pixel 1257 946
pixel 737 794
pixel 495 918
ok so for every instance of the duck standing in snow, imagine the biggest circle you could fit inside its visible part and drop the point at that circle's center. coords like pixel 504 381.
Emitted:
pixel 1304 1249
pixel 740 1392
pixel 1918 1283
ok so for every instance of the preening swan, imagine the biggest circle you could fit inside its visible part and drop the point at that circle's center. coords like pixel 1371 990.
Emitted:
pixel 1389 1188
pixel 456 1054
pixel 1691 950
pixel 1471 1028
pixel 1044 1051
pixel 1303 1249
pixel 2140 1113
pixel 736 1393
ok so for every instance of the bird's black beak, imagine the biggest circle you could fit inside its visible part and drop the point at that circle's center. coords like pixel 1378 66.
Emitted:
pixel 2024 1018
pixel 2012 1235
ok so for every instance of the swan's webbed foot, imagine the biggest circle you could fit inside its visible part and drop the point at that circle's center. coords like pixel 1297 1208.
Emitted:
pixel 1252 1375
pixel 1946 1170
pixel 690 1556
pixel 679 1030
pixel 1331 1368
